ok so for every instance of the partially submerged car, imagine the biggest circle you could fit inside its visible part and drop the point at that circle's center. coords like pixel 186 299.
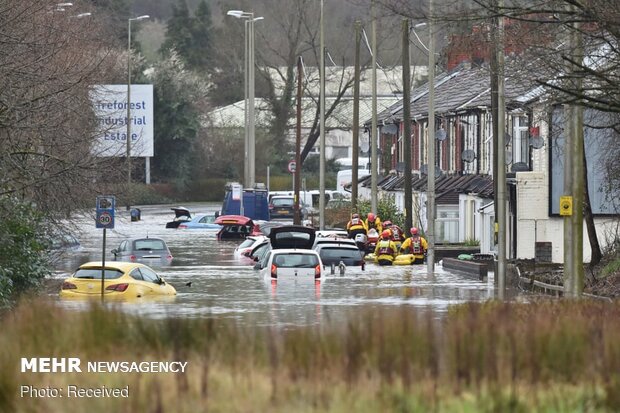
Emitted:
pixel 251 242
pixel 348 255
pixel 291 256
pixel 181 215
pixel 236 227
pixel 299 265
pixel 152 250
pixel 121 280
pixel 201 221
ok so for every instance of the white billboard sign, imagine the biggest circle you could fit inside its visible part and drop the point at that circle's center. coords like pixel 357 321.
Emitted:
pixel 110 107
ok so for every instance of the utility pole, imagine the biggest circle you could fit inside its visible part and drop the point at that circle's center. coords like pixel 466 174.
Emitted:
pixel 322 126
pixel 297 217
pixel 374 165
pixel 407 124
pixel 356 117
pixel 501 159
pixel 577 170
pixel 430 183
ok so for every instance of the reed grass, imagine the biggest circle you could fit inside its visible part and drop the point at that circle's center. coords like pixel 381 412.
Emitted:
pixel 551 356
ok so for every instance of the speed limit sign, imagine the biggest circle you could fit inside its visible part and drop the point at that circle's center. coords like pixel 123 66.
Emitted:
pixel 292 166
pixel 105 219
pixel 105 211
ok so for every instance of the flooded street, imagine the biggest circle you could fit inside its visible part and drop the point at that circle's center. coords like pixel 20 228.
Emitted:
pixel 222 286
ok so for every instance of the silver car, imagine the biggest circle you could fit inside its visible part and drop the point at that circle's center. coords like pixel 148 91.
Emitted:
pixel 147 250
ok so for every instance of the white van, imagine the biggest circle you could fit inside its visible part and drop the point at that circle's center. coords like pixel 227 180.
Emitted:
pixel 345 177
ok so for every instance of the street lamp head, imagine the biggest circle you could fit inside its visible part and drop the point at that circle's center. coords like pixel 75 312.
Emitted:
pixel 415 26
pixel 235 13
pixel 143 17
pixel 258 18
pixel 64 5
pixel 79 16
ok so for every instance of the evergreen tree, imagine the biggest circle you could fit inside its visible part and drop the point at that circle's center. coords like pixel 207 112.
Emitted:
pixel 201 52
pixel 178 31
pixel 189 37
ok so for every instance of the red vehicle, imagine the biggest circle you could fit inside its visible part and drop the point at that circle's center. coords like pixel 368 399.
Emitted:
pixel 236 227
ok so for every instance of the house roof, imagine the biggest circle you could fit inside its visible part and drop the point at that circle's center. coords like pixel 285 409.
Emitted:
pixel 233 115
pixel 447 187
pixel 461 89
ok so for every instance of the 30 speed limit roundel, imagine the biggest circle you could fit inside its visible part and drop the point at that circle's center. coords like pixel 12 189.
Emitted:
pixel 105 218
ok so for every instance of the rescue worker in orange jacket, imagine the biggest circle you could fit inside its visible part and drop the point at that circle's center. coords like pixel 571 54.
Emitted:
pixel 415 245
pixel 356 226
pixel 386 249
pixel 397 234
pixel 373 221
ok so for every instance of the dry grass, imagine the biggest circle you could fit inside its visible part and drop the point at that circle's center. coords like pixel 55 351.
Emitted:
pixel 545 356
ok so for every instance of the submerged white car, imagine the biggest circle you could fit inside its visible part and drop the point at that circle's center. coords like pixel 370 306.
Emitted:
pixel 291 257
pixel 297 265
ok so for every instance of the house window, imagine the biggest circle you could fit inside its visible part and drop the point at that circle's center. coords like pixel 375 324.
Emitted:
pixel 447 224
pixel 520 145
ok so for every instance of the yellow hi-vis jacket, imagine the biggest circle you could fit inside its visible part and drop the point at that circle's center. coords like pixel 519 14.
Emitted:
pixel 415 245
pixel 386 250
pixel 376 224
pixel 356 224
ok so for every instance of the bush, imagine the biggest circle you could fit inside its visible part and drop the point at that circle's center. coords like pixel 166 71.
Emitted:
pixel 23 241
pixel 386 210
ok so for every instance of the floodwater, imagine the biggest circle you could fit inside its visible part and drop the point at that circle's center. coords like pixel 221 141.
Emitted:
pixel 223 286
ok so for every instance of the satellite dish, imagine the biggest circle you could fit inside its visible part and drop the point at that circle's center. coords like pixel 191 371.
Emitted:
pixel 468 155
pixel 508 157
pixel 537 142
pixel 424 170
pixel 519 167
pixel 440 134
pixel 390 129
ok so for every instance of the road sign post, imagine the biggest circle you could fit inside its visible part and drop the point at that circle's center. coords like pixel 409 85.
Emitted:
pixel 105 206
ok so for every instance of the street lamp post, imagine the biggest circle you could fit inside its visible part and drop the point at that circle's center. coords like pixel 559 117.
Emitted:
pixel 250 140
pixel 128 137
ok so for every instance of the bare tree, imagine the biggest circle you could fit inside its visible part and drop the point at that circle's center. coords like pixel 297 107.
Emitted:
pixel 49 59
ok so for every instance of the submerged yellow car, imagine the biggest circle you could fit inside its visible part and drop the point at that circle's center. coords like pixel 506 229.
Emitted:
pixel 122 280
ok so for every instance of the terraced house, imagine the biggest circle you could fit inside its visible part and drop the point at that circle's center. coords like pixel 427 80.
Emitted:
pixel 464 161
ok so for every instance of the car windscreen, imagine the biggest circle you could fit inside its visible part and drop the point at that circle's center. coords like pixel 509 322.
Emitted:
pixel 247 243
pixel 292 260
pixel 340 253
pixel 148 245
pixel 282 202
pixel 95 273
pixel 207 219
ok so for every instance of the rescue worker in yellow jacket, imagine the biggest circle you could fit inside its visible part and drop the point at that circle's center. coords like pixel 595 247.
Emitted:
pixel 373 221
pixel 415 245
pixel 386 249
pixel 356 226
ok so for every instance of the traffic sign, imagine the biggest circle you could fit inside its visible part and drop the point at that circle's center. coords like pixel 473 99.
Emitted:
pixel 292 166
pixel 105 211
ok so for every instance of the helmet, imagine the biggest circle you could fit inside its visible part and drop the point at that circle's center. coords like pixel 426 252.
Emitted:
pixel 371 216
pixel 414 231
pixel 386 234
pixel 387 224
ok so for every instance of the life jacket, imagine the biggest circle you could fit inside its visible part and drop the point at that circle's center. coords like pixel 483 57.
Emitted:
pixel 395 233
pixel 416 245
pixel 372 224
pixel 385 248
